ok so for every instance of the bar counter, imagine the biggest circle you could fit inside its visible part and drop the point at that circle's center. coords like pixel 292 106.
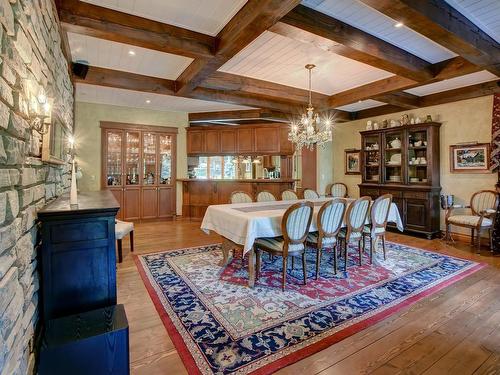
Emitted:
pixel 198 194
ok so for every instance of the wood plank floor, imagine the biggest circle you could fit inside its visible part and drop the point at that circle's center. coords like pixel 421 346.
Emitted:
pixel 455 331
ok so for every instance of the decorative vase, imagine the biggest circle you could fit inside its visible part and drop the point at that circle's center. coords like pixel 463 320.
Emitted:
pixel 73 194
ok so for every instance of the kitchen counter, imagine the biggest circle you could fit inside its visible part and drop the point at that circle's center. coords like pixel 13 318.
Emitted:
pixel 198 194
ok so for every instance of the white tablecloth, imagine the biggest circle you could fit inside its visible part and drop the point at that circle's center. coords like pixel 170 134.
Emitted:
pixel 242 223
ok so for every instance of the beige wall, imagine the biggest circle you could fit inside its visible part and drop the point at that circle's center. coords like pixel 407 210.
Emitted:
pixel 88 138
pixel 463 121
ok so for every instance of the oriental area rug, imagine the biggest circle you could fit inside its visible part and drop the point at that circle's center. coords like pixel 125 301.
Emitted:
pixel 220 326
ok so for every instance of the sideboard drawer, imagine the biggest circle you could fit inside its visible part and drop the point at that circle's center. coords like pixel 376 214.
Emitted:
pixel 416 194
pixel 370 192
pixel 395 193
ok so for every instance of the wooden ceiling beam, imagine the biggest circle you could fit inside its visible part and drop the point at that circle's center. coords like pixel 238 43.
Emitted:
pixel 400 99
pixel 310 26
pixel 87 19
pixel 255 17
pixel 235 116
pixel 463 93
pixel 233 82
pixel 443 24
pixel 128 81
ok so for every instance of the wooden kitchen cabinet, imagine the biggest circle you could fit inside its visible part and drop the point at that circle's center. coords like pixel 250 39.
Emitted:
pixel 258 139
pixel 267 140
pixel 138 167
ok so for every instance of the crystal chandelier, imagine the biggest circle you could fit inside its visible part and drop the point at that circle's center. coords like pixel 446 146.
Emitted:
pixel 310 130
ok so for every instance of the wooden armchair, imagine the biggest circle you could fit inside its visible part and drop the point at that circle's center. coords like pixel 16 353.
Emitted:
pixel 483 206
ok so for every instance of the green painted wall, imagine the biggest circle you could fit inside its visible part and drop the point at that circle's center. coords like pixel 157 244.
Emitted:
pixel 88 138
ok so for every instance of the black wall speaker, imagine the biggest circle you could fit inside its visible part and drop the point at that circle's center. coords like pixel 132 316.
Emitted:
pixel 80 70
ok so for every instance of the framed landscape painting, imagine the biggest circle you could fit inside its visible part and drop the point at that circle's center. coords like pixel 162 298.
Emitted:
pixel 470 158
pixel 352 161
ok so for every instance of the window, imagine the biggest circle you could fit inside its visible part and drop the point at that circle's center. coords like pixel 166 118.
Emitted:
pixel 215 167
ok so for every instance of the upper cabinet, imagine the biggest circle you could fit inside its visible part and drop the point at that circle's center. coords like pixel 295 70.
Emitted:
pixel 244 140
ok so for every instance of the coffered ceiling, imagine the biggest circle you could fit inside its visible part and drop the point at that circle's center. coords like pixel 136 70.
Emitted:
pixel 386 55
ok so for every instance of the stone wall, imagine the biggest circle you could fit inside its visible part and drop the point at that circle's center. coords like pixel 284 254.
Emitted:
pixel 31 58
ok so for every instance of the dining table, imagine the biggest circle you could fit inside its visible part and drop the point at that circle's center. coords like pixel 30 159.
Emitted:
pixel 241 223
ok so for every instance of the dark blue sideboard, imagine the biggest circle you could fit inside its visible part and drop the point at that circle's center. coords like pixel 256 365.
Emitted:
pixel 78 260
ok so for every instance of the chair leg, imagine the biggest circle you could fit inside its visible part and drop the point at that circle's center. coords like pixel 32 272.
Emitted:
pixel 318 261
pixel 293 262
pixel 304 267
pixel 371 249
pixel 364 244
pixel 346 245
pixel 360 252
pixel 120 251
pixel 283 281
pixel 472 237
pixel 334 259
pixel 132 241
pixel 258 253
pixel 383 246
pixel 478 241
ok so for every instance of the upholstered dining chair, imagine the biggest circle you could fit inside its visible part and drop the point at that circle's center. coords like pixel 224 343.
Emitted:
pixel 295 227
pixel 265 196
pixel 240 197
pixel 482 205
pixel 122 228
pixel 337 190
pixel 329 223
pixel 289 195
pixel 310 194
pixel 355 223
pixel 379 213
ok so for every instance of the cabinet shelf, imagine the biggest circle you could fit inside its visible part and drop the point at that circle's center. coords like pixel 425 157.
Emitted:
pixel 417 148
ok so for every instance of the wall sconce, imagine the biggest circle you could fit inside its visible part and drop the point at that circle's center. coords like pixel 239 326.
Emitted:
pixel 39 108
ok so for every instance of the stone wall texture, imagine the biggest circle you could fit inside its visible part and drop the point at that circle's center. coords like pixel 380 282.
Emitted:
pixel 31 58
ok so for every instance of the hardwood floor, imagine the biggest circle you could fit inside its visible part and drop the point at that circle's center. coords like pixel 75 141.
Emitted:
pixel 455 331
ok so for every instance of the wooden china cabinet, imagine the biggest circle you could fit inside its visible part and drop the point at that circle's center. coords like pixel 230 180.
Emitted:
pixel 138 167
pixel 404 161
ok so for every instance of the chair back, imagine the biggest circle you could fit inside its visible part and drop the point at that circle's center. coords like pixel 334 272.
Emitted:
pixel 310 194
pixel 356 215
pixel 265 196
pixel 380 212
pixel 295 224
pixel 289 195
pixel 240 197
pixel 330 217
pixel 337 190
pixel 483 200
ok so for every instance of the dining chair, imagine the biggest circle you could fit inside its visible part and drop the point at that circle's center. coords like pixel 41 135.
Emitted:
pixel 329 223
pixel 289 195
pixel 379 213
pixel 295 227
pixel 265 196
pixel 337 190
pixel 310 194
pixel 122 228
pixel 240 197
pixel 355 223
pixel 482 205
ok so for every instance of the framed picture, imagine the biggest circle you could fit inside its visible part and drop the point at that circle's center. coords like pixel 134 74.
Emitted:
pixel 55 142
pixel 352 161
pixel 470 158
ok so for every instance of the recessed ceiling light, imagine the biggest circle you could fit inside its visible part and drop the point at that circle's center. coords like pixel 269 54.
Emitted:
pixel 148 101
pixel 131 52
pixel 398 24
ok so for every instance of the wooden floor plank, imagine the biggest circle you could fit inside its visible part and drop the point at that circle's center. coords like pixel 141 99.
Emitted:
pixel 395 344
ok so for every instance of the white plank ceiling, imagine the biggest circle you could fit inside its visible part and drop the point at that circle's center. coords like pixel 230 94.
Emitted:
pixel 119 56
pixel 483 13
pixel 204 16
pixel 136 99
pixel 453 83
pixel 362 104
pixel 275 58
pixel 357 14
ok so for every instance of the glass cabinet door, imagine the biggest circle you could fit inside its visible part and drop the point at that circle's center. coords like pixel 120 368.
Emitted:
pixel 149 158
pixel 371 162
pixel 417 156
pixel 132 158
pixel 393 172
pixel 165 154
pixel 114 161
